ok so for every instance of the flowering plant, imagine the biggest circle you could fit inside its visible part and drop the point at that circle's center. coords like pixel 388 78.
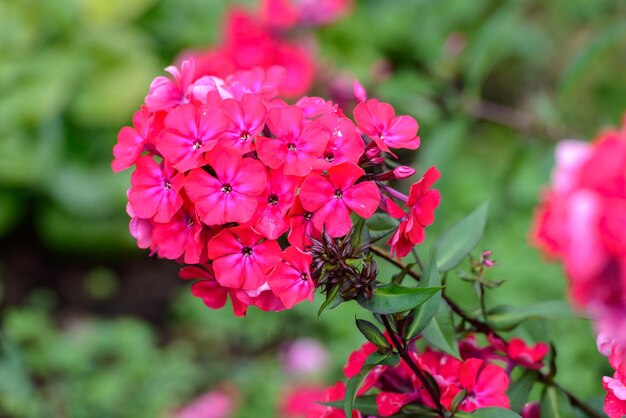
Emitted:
pixel 266 202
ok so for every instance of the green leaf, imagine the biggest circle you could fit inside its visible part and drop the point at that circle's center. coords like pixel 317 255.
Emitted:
pixel 460 239
pixel 440 332
pixel 360 235
pixel 355 382
pixel 391 299
pixel 333 299
pixel 364 404
pixel 425 313
pixel 507 318
pixel 489 413
pixel 380 225
pixel 554 404
pixel 520 389
pixel 373 334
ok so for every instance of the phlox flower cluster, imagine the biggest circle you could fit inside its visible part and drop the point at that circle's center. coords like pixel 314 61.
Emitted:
pixel 581 222
pixel 260 39
pixel 235 182
pixel 479 379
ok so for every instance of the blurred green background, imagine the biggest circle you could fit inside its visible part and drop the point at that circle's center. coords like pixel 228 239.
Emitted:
pixel 92 327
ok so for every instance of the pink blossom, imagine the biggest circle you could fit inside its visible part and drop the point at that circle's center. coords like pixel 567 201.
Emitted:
pixel 246 120
pixel 166 93
pixel 271 219
pixel 298 401
pixel 305 356
pixel 344 145
pixel 213 404
pixel 301 226
pixel 296 145
pixel 379 121
pixel 291 280
pixel 155 190
pixel 213 295
pixel 332 196
pixel 190 131
pixel 242 259
pixel 529 357
pixel 334 393
pixel 486 386
pixel 422 203
pixel 131 142
pixel 231 196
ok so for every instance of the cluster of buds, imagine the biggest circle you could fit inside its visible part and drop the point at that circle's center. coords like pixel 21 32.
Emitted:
pixel 227 173
pixel 341 267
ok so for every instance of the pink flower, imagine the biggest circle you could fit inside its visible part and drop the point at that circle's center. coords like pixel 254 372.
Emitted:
pixel 301 226
pixel 232 196
pixel 246 120
pixel 291 280
pixel 379 121
pixel 280 14
pixel 166 93
pixel 305 356
pixel 213 295
pixel 213 404
pixel 155 191
pixel 355 363
pixel 271 219
pixel 334 393
pixel 615 400
pixel 344 144
pixel 297 402
pixel 184 235
pixel 332 196
pixel 131 142
pixel 486 386
pixel 296 145
pixel 581 222
pixel 242 258
pixel 422 203
pixel 190 131
pixel 529 357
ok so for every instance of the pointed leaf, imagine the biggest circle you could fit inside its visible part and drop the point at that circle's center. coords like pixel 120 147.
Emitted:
pixel 554 404
pixel 390 299
pixel 520 389
pixel 460 239
pixel 426 312
pixel 355 382
pixel 440 332
pixel 373 334
pixel 333 299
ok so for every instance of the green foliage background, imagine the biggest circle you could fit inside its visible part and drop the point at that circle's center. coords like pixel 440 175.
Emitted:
pixel 493 84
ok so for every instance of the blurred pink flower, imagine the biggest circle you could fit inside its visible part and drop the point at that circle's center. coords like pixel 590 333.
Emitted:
pixel 212 404
pixel 304 357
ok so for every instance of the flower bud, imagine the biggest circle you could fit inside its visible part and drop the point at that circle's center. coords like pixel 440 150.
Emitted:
pixel 403 172
pixel 373 152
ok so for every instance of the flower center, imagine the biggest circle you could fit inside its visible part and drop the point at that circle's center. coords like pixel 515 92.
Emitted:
pixel 226 188
pixel 338 194
pixel 167 185
pixel 308 215
pixel 197 145
pixel 246 251
pixel 329 157
pixel 304 277
pixel 245 135
pixel 291 147
pixel 272 200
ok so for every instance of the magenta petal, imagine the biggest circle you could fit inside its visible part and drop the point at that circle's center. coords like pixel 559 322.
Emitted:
pixel 231 270
pixel 272 152
pixel 363 198
pixel 316 191
pixel 211 293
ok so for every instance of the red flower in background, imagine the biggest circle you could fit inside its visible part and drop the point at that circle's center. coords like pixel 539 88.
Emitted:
pixel 581 221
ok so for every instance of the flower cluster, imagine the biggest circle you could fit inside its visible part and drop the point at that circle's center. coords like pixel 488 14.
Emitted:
pixel 581 222
pixel 615 387
pixel 225 170
pixel 478 380
pixel 259 40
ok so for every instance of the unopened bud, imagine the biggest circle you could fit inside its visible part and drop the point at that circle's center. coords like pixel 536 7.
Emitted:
pixel 359 91
pixel 403 172
pixel 373 152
